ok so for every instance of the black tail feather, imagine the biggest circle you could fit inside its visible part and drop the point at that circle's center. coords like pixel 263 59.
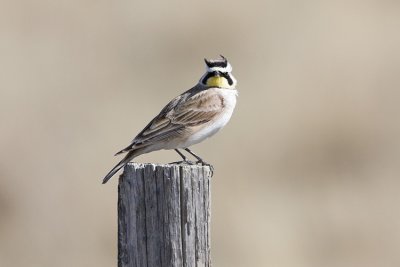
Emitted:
pixel 119 166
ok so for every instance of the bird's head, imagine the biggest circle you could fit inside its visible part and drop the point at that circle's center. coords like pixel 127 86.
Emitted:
pixel 218 74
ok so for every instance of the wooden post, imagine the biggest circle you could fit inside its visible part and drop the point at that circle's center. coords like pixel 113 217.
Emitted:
pixel 164 216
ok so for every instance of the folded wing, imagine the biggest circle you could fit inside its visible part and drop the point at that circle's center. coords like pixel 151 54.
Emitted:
pixel 185 111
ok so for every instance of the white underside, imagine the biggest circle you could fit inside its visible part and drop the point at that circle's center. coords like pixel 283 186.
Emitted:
pixel 216 125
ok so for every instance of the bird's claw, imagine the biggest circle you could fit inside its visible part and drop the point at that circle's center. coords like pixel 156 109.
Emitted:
pixel 187 162
pixel 203 163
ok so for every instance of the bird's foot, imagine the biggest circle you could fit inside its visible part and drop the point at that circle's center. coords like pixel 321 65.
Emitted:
pixel 187 162
pixel 203 163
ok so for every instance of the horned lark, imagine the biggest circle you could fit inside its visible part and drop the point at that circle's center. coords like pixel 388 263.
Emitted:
pixel 189 118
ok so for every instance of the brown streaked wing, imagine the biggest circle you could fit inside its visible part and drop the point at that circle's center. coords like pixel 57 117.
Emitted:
pixel 157 125
pixel 160 127
pixel 185 110
pixel 200 108
pixel 197 109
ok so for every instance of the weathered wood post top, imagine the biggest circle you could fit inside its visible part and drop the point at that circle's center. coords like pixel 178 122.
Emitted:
pixel 164 215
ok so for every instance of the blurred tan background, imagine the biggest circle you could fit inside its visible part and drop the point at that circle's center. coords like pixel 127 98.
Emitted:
pixel 307 172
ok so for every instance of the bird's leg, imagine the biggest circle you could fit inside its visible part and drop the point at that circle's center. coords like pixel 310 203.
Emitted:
pixel 180 154
pixel 200 160
pixel 183 157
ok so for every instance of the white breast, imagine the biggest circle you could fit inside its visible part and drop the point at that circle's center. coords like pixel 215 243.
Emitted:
pixel 213 127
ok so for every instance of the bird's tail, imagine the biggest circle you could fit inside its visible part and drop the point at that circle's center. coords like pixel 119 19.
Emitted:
pixel 120 165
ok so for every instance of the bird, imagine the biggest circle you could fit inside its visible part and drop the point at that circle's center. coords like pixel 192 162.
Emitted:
pixel 189 118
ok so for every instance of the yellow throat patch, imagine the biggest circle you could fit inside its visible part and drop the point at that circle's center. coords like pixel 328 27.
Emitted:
pixel 217 81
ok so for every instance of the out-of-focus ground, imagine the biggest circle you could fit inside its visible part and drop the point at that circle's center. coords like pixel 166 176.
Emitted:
pixel 307 172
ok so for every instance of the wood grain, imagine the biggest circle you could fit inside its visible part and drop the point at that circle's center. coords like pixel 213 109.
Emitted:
pixel 164 216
